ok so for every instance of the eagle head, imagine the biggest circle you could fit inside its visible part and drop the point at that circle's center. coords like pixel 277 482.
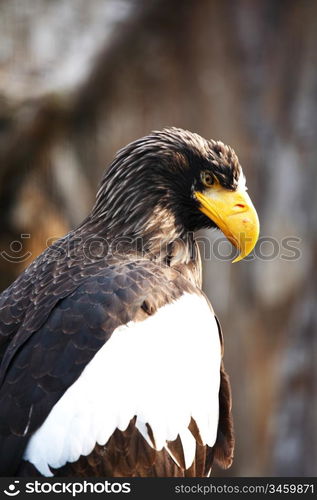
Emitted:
pixel 172 182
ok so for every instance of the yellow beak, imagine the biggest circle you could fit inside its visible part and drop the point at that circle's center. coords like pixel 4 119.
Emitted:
pixel 234 214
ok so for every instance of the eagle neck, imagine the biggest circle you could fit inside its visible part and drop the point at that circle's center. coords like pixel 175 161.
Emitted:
pixel 160 239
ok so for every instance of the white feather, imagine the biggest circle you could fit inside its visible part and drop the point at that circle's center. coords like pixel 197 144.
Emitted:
pixel 164 370
pixel 189 446
pixel 241 186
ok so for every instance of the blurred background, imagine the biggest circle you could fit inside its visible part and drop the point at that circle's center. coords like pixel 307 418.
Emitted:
pixel 79 79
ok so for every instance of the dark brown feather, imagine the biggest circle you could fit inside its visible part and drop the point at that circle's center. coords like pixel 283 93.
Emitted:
pixel 52 358
pixel 66 305
pixel 176 449
pixel 224 446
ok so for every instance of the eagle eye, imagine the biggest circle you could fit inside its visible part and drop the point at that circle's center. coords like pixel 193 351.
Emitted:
pixel 207 178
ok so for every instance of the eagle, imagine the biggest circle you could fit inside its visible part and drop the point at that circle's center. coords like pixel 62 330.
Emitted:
pixel 111 355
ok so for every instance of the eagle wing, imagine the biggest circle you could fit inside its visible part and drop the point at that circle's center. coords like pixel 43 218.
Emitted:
pixel 102 384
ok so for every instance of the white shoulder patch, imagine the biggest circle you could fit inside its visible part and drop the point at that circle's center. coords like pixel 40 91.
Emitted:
pixel 164 370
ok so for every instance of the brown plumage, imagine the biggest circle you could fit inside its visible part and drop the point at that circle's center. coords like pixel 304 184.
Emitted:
pixel 59 313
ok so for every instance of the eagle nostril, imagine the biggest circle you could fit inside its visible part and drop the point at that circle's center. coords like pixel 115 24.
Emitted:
pixel 239 205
